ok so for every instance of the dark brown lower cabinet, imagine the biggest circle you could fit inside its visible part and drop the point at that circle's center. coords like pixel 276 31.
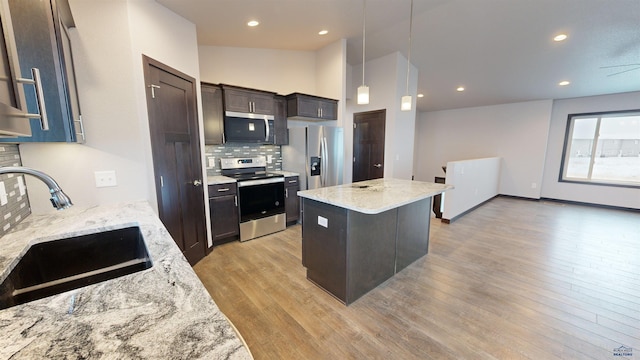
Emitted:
pixel 291 201
pixel 223 206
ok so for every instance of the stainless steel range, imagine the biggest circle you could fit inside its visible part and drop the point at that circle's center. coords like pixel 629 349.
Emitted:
pixel 260 195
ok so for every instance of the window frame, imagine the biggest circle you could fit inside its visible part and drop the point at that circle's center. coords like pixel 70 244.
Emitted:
pixel 567 144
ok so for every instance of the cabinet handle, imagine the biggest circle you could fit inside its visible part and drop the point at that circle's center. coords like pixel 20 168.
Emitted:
pixel 293 181
pixel 235 198
pixel 42 109
pixel 286 192
pixel 223 189
pixel 320 112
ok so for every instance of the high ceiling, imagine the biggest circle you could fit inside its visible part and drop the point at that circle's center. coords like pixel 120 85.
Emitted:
pixel 501 51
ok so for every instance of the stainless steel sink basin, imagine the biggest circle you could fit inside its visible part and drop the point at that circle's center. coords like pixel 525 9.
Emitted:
pixel 57 266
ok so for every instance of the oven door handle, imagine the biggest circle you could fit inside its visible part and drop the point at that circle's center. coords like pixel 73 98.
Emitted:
pixel 266 124
pixel 260 182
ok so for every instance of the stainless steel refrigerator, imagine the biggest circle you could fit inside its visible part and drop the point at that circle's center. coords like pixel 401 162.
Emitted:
pixel 316 153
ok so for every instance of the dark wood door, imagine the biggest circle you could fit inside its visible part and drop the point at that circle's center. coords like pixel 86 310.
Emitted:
pixel 368 145
pixel 173 124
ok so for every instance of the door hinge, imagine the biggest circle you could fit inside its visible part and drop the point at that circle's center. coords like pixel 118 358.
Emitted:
pixel 354 159
pixel 354 125
pixel 153 90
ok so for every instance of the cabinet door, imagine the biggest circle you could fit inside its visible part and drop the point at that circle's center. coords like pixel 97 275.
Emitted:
pixel 213 115
pixel 237 100
pixel 280 121
pixel 263 103
pixel 224 217
pixel 38 40
pixel 329 109
pixel 291 201
pixel 308 107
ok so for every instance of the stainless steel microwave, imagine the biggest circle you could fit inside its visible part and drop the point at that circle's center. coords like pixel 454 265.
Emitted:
pixel 248 128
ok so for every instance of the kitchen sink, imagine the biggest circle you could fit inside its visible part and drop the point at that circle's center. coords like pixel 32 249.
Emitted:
pixel 57 266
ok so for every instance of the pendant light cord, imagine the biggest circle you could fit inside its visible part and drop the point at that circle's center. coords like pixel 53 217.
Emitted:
pixel 409 51
pixel 364 27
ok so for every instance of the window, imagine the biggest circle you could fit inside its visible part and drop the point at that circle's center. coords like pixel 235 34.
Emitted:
pixel 602 148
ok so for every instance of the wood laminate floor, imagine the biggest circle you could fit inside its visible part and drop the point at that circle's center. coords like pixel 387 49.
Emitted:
pixel 514 279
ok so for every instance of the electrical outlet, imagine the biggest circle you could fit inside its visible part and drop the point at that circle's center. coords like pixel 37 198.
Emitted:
pixel 105 178
pixel 212 161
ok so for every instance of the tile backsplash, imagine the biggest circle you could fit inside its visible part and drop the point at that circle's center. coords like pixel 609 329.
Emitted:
pixel 17 206
pixel 215 152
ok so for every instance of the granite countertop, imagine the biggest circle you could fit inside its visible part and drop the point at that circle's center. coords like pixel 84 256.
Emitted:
pixel 219 179
pixel 375 196
pixel 286 173
pixel 163 312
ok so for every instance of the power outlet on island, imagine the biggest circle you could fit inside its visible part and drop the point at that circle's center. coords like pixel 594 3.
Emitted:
pixel 106 178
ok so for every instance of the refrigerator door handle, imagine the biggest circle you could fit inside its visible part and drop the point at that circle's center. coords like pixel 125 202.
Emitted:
pixel 324 163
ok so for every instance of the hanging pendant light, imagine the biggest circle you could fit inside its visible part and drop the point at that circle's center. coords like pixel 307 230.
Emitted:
pixel 363 90
pixel 405 102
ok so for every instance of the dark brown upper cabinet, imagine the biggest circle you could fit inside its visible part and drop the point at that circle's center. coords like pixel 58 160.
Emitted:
pixel 309 107
pixel 212 114
pixel 280 121
pixel 244 100
pixel 41 31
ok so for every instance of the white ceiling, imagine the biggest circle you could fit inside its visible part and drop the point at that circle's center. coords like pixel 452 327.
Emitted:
pixel 501 51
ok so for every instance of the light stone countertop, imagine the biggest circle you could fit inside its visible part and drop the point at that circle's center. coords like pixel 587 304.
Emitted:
pixel 219 179
pixel 163 312
pixel 286 173
pixel 375 196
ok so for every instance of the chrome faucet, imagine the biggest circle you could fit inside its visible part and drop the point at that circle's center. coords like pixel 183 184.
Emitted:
pixel 59 199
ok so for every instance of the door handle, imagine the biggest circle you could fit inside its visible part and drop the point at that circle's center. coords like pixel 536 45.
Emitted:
pixel 197 182
pixel 378 165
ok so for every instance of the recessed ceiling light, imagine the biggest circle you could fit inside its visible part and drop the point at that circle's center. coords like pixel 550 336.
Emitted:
pixel 560 37
pixel 323 32
pixel 564 83
pixel 460 89
pixel 253 23
pixel 420 95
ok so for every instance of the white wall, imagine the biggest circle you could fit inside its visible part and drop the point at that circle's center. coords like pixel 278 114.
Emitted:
pixel 605 195
pixel 108 45
pixel 281 71
pixel 386 78
pixel 475 181
pixel 516 132
pixel 331 70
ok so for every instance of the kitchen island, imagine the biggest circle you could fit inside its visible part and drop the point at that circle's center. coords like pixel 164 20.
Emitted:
pixel 356 236
pixel 163 312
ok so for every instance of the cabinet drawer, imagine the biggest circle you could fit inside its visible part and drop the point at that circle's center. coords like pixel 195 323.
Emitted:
pixel 291 181
pixel 222 189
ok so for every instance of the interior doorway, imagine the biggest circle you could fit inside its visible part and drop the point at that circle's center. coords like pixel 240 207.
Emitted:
pixel 368 145
pixel 173 124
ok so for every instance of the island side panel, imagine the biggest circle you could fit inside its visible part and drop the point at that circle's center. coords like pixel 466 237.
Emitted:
pixel 413 232
pixel 325 246
pixel 371 251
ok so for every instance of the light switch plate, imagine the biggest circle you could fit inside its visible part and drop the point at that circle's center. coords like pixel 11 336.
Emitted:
pixel 21 186
pixel 106 178
pixel 3 194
